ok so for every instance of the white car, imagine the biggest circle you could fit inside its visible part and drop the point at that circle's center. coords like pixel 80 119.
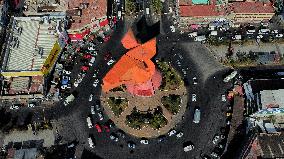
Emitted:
pixel 179 135
pixel 193 98
pixel 144 141
pixel 91 143
pixel 93 110
pixel 279 35
pixel 172 132
pixel 100 115
pixel 91 97
pixel 110 62
pixel 224 98
pixel 173 29
pixel 194 79
pixel 188 148
pixel 31 105
pixel 113 137
pixel 66 72
pixel 96 82
pixel 216 139
pixel 89 122
pixel 14 107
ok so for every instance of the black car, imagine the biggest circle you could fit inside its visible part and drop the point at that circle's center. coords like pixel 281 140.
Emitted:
pixel 110 123
pixel 161 138
pixel 131 144
pixel 121 133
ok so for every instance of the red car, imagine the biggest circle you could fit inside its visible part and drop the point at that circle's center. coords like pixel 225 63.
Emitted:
pixel 84 68
pixel 106 38
pixel 106 128
pixel 98 127
pixel 107 56
pixel 87 56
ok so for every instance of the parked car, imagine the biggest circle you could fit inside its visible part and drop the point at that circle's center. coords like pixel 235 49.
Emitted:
pixel 91 97
pixel 131 144
pixel 179 134
pixel 188 146
pixel 100 115
pixel 93 59
pixel 93 110
pixel 110 62
pixel 91 141
pixel 193 97
pixel 12 107
pixel 194 79
pixel 31 105
pixel 98 127
pixel 196 116
pixel 161 138
pixel 113 137
pixel 65 72
pixel 172 132
pixel 110 123
pixel 98 107
pixel 96 82
pixel 89 122
pixel 144 141
pixel 216 139
pixel 106 127
pixel 224 98
pixel 120 133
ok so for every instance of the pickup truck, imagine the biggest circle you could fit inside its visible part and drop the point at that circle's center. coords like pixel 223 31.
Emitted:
pixel 69 99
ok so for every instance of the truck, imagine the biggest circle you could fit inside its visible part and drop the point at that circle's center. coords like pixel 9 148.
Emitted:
pixel 69 99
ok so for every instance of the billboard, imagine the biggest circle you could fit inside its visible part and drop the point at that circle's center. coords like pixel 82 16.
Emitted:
pixel 51 59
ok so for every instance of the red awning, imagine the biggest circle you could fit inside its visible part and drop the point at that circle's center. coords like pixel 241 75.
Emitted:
pixel 104 23
pixel 75 37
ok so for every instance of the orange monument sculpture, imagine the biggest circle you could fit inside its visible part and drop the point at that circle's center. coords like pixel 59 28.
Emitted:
pixel 135 69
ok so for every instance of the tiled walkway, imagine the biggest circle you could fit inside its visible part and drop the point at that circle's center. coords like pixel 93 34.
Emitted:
pixel 144 104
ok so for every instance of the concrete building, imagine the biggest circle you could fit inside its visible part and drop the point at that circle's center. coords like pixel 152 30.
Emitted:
pixel 265 146
pixel 32 47
pixel 266 105
pixel 203 12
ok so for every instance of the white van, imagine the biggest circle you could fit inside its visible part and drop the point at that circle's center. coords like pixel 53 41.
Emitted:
pixel 93 59
pixel 147 11
pixel 91 142
pixel 90 125
pixel 119 14
pixel 196 117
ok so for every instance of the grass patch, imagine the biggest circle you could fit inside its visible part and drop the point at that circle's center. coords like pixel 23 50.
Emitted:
pixel 171 79
pixel 117 105
pixel 172 103
pixel 137 119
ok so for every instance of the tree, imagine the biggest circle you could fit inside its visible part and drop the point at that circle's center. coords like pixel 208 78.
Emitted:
pixel 129 6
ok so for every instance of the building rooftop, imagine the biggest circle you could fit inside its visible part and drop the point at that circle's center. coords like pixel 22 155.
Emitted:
pixel 30 42
pixel 22 136
pixel 200 11
pixel 272 145
pixel 251 7
pixel 90 9
pixel 272 98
